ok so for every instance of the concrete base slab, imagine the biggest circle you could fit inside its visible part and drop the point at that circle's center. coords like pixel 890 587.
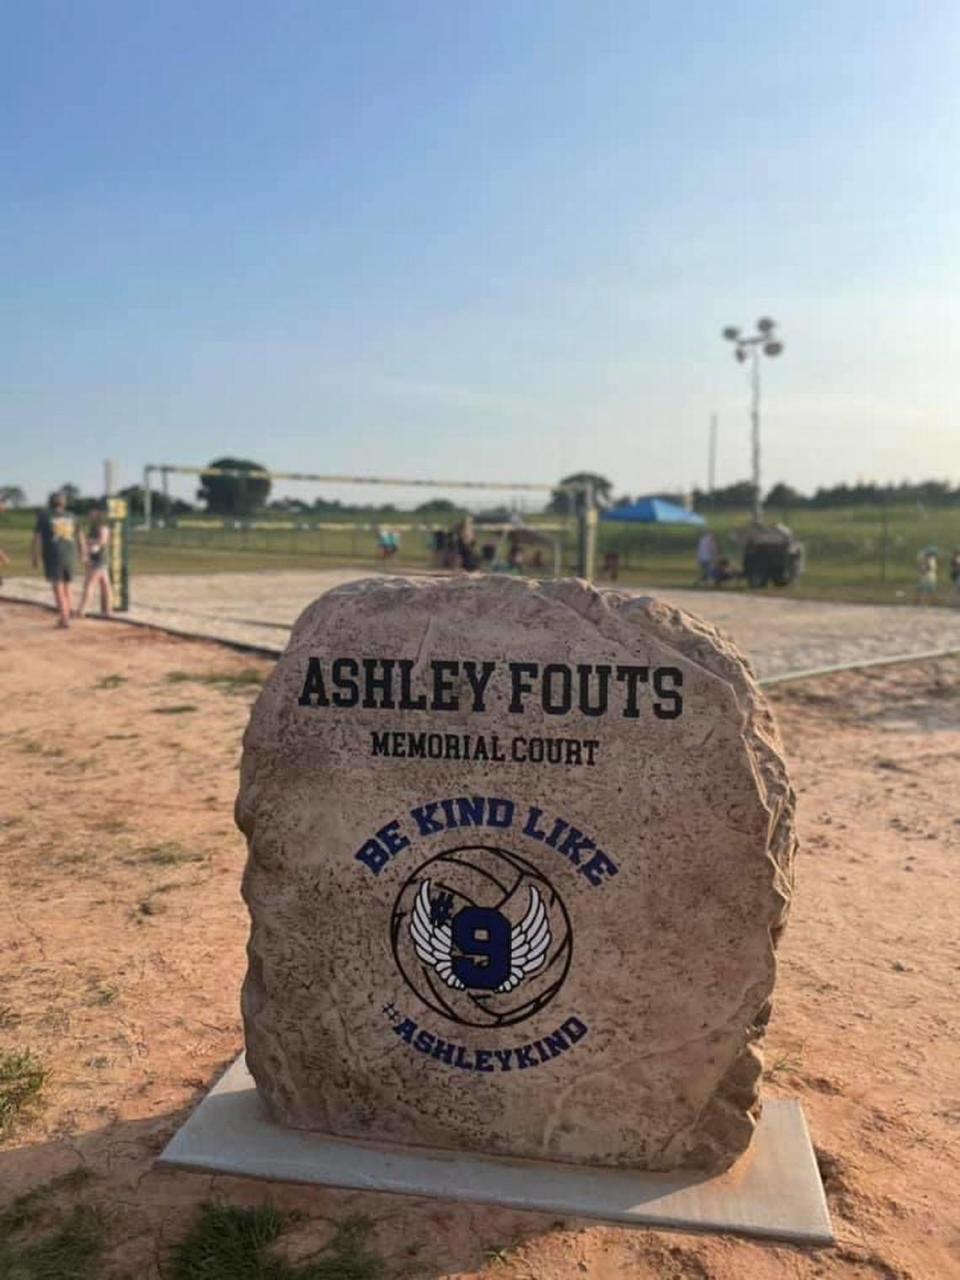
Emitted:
pixel 774 1191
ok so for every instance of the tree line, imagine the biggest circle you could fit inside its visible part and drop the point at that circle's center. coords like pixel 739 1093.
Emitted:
pixel 244 495
pixel 781 497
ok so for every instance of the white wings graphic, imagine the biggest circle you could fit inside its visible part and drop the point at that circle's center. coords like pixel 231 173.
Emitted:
pixel 433 942
pixel 529 941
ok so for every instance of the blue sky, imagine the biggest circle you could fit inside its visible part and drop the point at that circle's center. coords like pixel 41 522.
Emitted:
pixel 494 240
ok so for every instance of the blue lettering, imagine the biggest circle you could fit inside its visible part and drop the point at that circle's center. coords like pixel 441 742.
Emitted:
pixel 500 813
pixel 598 867
pixel 556 1043
pixel 393 841
pixel 574 1029
pixel 373 855
pixel 530 827
pixel 405 1029
pixel 425 820
pixel 443 1051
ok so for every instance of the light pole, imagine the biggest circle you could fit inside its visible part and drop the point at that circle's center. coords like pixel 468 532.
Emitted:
pixel 749 348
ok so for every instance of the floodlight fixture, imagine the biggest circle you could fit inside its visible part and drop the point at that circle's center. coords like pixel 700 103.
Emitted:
pixel 750 346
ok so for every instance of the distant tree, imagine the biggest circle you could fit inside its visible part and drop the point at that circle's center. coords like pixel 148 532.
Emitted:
pixel 234 495
pixel 296 506
pixel 134 499
pixel 563 502
pixel 495 515
pixel 784 495
pixel 437 507
pixel 735 495
pixel 11 495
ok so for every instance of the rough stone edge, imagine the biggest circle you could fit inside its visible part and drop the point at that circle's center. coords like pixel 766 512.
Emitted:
pixel 727 1122
pixel 731 1115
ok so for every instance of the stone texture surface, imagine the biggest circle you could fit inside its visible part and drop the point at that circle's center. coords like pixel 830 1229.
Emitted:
pixel 631 1038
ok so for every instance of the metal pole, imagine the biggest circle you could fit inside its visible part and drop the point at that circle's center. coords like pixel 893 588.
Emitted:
pixel 587 531
pixel 755 437
pixel 712 456
pixel 165 477
pixel 147 504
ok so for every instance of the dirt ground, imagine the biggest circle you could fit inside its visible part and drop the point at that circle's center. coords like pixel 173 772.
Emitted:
pixel 122 949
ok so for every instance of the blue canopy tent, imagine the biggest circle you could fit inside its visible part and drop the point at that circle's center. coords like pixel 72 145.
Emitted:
pixel 653 511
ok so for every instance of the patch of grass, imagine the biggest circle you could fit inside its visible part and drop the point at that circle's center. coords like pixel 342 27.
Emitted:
pixel 498 1255
pixel 166 854
pixel 110 682
pixel 103 993
pixel 226 681
pixel 33 748
pixel 784 1064
pixel 233 1244
pixel 22 1077
pixel 73 859
pixel 181 709
pixel 70 1252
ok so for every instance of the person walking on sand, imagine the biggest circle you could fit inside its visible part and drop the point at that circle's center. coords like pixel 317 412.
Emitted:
pixel 98 540
pixel 56 536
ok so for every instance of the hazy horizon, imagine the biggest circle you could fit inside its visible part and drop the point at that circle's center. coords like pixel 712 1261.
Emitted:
pixel 494 242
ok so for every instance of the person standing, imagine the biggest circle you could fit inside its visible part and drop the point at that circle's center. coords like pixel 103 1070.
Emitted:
pixel 927 581
pixel 955 568
pixel 98 574
pixel 707 553
pixel 56 538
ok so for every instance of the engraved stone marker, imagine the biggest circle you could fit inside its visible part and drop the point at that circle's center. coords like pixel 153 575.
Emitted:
pixel 519 858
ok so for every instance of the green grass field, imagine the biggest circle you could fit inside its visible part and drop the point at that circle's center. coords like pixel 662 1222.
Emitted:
pixel 848 555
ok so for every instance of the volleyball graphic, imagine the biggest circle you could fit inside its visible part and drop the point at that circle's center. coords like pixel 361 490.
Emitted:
pixel 481 936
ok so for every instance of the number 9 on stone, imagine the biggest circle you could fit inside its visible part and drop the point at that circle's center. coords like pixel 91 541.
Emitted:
pixel 481 936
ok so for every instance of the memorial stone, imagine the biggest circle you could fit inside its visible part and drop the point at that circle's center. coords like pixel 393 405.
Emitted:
pixel 520 855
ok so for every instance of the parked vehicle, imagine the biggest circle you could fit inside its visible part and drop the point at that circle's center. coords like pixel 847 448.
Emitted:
pixel 772 554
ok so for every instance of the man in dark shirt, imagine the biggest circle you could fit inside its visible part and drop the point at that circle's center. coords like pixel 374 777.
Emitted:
pixel 56 537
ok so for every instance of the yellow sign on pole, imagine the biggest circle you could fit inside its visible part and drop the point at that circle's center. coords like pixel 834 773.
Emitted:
pixel 117 513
